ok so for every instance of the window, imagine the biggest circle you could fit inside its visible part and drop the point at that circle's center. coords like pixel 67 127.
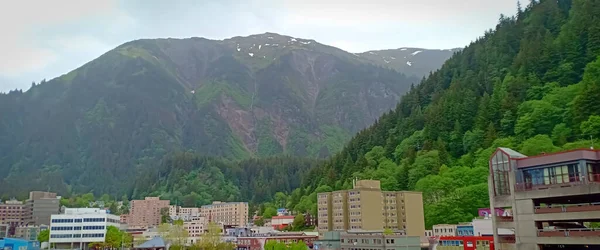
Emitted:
pixel 60 236
pixel 500 168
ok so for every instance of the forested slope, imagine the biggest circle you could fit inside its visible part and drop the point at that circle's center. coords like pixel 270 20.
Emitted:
pixel 531 84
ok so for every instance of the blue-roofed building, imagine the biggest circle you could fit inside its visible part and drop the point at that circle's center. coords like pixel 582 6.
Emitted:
pixel 464 230
pixel 18 244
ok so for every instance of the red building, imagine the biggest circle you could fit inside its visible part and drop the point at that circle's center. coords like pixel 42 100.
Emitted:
pixel 280 222
pixel 258 242
pixel 465 242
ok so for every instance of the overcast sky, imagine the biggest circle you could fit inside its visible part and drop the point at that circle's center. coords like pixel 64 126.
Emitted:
pixel 45 39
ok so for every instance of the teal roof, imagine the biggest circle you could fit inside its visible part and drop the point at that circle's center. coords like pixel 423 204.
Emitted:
pixel 153 243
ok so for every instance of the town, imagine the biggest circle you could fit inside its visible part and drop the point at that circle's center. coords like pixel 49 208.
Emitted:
pixel 547 199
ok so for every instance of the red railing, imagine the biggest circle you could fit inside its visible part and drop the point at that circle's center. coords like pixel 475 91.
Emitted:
pixel 567 208
pixel 594 178
pixel 574 232
pixel 507 239
pixel 505 218
pixel 557 181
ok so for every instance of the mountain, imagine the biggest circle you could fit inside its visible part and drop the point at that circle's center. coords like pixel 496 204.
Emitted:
pixel 99 126
pixel 531 84
pixel 410 61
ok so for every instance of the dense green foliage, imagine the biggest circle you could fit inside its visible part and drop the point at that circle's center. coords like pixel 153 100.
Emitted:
pixel 98 127
pixel 275 245
pixel 532 84
pixel 188 179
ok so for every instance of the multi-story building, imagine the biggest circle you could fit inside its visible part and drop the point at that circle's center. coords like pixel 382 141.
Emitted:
pixel 196 226
pixel 366 207
pixel 146 212
pixel 34 211
pixel 174 210
pixel 12 213
pixel 230 214
pixel 78 227
pixel 40 206
pixel 29 232
pixel 552 197
pixel 192 211
pixel 377 240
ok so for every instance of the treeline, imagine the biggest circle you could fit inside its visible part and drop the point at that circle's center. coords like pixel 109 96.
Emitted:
pixel 531 84
pixel 190 179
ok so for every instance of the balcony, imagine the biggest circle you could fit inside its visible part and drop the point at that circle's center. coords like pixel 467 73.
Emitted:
pixel 568 208
pixel 506 239
pixel 574 232
pixel 558 181
pixel 504 218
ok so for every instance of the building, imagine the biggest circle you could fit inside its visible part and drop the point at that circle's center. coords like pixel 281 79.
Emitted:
pixel 230 214
pixel 429 233
pixel 78 227
pixel 196 226
pixel 281 222
pixel 11 213
pixel 329 241
pixel 146 213
pixel 124 218
pixel 29 232
pixel 258 242
pixel 309 220
pixel 174 210
pixel 366 207
pixel 552 197
pixel 11 243
pixel 4 230
pixel 444 230
pixel 464 243
pixel 378 241
pixel 40 206
pixel 484 227
pixel 465 230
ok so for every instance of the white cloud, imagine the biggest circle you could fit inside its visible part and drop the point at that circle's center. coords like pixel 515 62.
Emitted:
pixel 54 37
pixel 22 51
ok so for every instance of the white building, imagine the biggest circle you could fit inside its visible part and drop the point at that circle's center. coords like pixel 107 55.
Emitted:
pixel 483 227
pixel 80 226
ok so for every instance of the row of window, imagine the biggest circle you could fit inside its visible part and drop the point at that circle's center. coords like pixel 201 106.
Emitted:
pixel 64 228
pixel 62 236
pixel 451 243
pixel 80 220
pixel 77 228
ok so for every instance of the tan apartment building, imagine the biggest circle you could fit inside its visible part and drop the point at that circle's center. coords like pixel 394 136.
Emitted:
pixel 40 207
pixel 146 212
pixel 226 213
pixel 366 207
pixel 195 227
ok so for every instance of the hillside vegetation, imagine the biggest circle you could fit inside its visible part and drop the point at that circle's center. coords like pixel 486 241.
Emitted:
pixel 101 126
pixel 531 84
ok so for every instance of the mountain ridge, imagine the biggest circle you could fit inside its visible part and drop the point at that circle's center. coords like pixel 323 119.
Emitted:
pixel 237 98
